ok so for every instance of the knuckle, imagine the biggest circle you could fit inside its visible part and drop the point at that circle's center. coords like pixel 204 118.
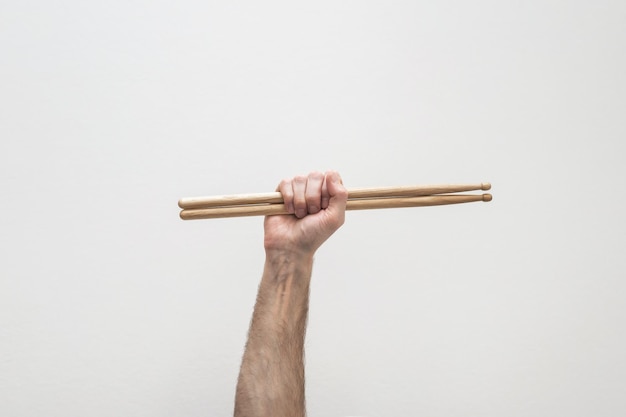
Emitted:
pixel 284 183
pixel 342 193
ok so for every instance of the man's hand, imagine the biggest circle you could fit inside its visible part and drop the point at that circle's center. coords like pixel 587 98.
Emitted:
pixel 317 204
pixel 271 379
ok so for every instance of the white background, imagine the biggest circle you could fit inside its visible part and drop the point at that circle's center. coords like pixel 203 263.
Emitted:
pixel 110 112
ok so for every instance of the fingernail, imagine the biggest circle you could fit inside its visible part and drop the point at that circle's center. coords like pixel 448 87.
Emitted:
pixel 300 213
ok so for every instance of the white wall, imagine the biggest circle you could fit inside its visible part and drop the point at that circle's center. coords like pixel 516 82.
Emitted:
pixel 111 111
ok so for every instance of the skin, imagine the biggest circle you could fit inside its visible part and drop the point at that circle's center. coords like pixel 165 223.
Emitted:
pixel 271 379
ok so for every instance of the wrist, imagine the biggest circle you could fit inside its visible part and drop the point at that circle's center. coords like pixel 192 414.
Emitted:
pixel 291 254
pixel 288 267
pixel 289 258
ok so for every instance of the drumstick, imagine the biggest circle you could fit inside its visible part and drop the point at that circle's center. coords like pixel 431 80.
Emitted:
pixel 356 193
pixel 360 204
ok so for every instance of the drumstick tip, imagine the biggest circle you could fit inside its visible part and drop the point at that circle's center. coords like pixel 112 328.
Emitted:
pixel 485 186
pixel 487 197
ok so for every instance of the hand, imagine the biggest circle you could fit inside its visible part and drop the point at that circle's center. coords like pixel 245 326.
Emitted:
pixel 317 204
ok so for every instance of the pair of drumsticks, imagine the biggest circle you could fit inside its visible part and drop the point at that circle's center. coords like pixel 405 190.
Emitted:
pixel 267 204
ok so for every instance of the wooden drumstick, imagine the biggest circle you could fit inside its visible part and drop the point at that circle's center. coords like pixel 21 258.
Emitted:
pixel 356 204
pixel 356 193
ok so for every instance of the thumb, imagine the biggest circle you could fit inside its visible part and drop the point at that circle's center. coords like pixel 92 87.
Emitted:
pixel 337 193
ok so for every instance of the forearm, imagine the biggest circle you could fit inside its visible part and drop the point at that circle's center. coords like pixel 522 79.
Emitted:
pixel 271 380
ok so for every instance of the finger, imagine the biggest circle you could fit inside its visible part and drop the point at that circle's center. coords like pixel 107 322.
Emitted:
pixel 299 200
pixel 286 190
pixel 325 195
pixel 314 192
